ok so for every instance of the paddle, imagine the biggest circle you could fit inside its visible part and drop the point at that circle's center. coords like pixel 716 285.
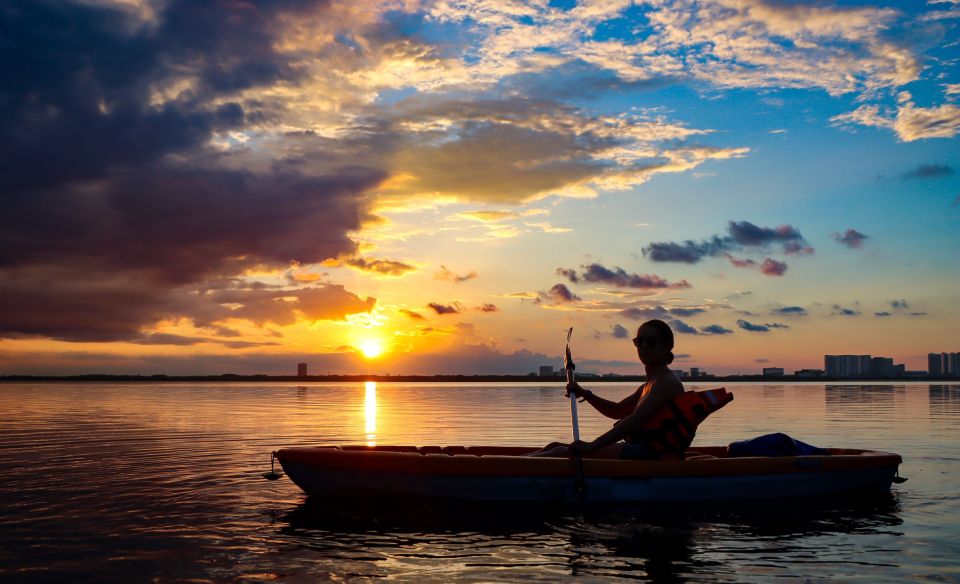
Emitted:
pixel 568 364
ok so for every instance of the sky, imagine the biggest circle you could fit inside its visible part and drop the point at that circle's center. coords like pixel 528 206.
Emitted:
pixel 407 187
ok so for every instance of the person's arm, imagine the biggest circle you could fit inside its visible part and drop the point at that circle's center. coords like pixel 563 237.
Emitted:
pixel 656 398
pixel 610 409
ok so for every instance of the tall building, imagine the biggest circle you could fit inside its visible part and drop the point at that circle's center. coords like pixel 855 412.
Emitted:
pixel 934 364
pixel 301 369
pixel 546 371
pixel 951 364
pixel 881 367
pixel 846 365
pixel 773 371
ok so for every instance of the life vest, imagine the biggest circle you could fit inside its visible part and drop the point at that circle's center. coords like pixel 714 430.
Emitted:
pixel 670 431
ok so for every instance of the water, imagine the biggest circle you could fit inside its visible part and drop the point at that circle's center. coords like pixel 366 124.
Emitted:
pixel 143 482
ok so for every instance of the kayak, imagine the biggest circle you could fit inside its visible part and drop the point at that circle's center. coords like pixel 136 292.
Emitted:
pixel 503 474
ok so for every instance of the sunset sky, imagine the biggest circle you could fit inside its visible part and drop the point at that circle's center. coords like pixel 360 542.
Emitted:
pixel 235 186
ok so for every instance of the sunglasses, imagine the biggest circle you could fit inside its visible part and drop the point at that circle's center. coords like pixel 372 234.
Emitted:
pixel 652 341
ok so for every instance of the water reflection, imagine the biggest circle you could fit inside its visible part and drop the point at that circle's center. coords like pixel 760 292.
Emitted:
pixel 876 396
pixel 658 543
pixel 944 400
pixel 370 412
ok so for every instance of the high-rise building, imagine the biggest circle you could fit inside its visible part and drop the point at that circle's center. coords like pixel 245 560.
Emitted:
pixel 546 371
pixel 301 369
pixel 846 365
pixel 773 371
pixel 934 364
pixel 881 367
pixel 951 364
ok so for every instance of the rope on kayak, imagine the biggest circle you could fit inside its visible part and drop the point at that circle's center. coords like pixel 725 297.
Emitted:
pixel 273 474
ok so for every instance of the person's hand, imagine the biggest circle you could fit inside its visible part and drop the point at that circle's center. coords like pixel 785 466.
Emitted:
pixel 574 388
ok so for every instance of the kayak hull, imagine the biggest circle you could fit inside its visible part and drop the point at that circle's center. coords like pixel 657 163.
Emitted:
pixel 509 477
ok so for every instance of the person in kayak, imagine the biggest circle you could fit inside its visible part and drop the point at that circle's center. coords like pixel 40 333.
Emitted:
pixel 627 438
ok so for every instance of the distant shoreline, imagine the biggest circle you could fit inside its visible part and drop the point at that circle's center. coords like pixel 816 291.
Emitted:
pixel 442 378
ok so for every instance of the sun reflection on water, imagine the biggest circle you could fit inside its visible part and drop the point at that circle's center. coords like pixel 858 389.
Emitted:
pixel 370 412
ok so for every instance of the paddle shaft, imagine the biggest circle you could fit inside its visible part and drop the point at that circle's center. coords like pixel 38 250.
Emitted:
pixel 573 406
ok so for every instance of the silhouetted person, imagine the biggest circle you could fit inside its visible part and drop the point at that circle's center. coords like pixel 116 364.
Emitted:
pixel 628 438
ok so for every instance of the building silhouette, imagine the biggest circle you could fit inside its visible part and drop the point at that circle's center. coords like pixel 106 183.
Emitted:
pixel 301 369
pixel 546 371
pixel 861 366
pixel 943 364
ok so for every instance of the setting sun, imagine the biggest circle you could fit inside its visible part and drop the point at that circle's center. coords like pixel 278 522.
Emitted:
pixel 371 348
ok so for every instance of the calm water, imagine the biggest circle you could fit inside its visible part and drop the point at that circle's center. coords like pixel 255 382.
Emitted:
pixel 119 482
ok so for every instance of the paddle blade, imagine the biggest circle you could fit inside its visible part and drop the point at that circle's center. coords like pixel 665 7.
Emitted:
pixel 569 334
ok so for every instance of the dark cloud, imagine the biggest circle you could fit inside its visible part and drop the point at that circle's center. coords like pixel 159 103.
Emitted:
pixel 928 171
pixel 411 314
pixel 558 294
pixel 377 266
pixel 683 328
pixel 772 267
pixel 881 313
pixel 619 332
pixel 850 238
pixel 740 262
pixel 487 307
pixel 445 274
pixel 843 311
pixel 139 214
pixel 682 311
pixel 618 277
pixel 759 328
pixel 899 304
pixel 647 313
pixel 790 311
pixel 761 360
pixel 917 314
pixel 81 105
pixel 569 274
pixel 741 235
pixel 687 252
pixel 716 329
pixel 444 308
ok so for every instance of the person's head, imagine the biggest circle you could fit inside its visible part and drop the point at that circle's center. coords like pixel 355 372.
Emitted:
pixel 654 343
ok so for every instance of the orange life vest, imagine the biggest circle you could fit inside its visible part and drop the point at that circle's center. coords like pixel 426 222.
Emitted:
pixel 670 431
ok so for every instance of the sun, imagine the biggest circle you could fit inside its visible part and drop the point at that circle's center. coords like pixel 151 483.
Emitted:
pixel 371 348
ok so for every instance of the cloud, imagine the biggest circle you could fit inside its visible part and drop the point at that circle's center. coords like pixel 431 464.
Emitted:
pixel 928 171
pixel 487 307
pixel 910 122
pixel 442 309
pixel 881 313
pixel 686 311
pixel 899 304
pixel 772 267
pixel 683 328
pixel 558 294
pixel 446 274
pixel 790 311
pixel 842 311
pixel 741 235
pixel 759 328
pixel 618 277
pixel 850 238
pixel 382 267
pixel 740 262
pixel 411 314
pixel 716 329
pixel 569 274
pixel 648 313
pixel 619 332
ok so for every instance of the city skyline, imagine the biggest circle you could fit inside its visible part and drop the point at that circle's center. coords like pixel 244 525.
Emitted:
pixel 447 187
